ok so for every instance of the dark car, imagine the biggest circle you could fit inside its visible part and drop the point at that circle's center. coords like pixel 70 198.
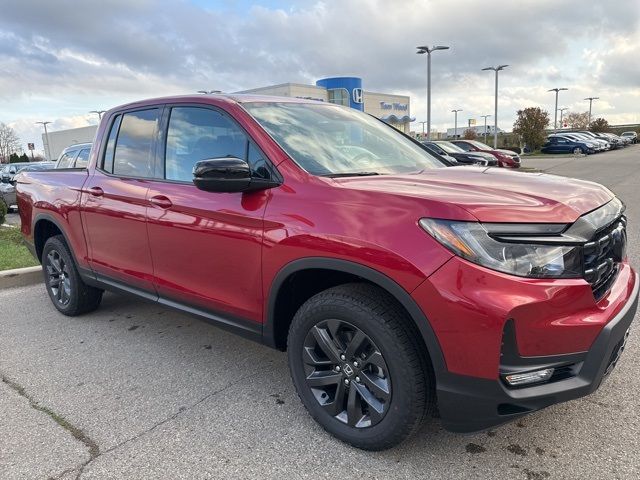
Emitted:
pixel 396 283
pixel 506 158
pixel 461 156
pixel 565 145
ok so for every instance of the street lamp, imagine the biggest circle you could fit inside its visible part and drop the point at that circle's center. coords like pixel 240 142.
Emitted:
pixel 555 116
pixel 421 51
pixel 46 136
pixel 591 99
pixel 561 110
pixel 485 127
pixel 422 128
pixel 495 112
pixel 455 128
pixel 99 112
pixel 209 92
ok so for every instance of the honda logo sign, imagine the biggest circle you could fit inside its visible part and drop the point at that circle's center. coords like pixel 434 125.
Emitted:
pixel 357 95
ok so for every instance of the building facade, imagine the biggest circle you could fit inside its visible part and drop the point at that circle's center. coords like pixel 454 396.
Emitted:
pixel 392 109
pixel 61 139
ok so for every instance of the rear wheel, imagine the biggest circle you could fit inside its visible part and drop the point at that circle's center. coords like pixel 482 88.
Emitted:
pixel 577 151
pixel 69 294
pixel 358 368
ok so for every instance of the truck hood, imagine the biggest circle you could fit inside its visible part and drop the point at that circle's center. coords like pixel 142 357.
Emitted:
pixel 492 194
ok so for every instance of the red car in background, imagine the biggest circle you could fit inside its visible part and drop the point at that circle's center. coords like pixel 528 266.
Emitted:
pixel 506 158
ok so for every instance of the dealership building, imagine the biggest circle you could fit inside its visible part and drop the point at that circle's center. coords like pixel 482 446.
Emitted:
pixel 392 109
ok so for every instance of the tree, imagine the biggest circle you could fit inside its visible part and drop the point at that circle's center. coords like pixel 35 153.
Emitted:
pixel 14 158
pixel 530 125
pixel 24 158
pixel 599 125
pixel 578 121
pixel 9 142
pixel 470 134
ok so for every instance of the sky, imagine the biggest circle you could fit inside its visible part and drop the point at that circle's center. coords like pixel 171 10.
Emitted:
pixel 59 60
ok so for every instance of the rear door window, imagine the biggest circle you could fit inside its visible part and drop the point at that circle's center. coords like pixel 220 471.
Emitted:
pixel 134 147
pixel 83 158
pixel 66 161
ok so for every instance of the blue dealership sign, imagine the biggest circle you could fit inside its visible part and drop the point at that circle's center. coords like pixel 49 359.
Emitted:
pixel 352 87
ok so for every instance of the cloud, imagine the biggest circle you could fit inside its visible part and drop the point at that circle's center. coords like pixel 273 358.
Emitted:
pixel 61 59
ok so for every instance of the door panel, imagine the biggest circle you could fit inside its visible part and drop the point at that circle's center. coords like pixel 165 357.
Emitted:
pixel 207 247
pixel 116 227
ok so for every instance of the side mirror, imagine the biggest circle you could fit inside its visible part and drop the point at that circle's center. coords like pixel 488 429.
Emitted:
pixel 227 174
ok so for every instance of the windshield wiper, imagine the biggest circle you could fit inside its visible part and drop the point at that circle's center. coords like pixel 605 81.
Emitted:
pixel 350 174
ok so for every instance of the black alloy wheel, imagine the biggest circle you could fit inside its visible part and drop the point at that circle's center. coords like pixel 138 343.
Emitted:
pixel 347 373
pixel 58 277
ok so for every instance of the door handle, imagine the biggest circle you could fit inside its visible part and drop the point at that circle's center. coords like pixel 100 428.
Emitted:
pixel 161 201
pixel 95 191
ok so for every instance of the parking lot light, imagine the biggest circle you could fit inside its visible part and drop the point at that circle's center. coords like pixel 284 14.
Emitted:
pixel 209 92
pixel 46 136
pixel 99 112
pixel 455 128
pixel 591 99
pixel 555 110
pixel 485 127
pixel 561 110
pixel 495 112
pixel 421 51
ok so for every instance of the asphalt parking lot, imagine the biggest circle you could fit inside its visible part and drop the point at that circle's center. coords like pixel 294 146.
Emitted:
pixel 137 391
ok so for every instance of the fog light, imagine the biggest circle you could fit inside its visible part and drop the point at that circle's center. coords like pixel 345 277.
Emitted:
pixel 516 379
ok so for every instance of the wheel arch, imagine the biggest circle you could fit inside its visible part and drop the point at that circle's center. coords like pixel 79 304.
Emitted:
pixel 275 328
pixel 44 227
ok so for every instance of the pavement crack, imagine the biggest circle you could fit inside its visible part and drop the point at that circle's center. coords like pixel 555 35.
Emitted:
pixel 76 432
pixel 180 411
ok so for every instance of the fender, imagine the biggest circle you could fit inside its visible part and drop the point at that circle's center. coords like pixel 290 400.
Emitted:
pixel 85 273
pixel 375 277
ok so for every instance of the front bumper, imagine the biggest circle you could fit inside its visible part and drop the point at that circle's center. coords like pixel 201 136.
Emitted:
pixel 470 404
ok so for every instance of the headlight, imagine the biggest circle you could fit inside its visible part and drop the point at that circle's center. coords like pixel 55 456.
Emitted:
pixel 471 241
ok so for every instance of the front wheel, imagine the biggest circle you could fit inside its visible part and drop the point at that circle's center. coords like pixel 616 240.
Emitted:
pixel 69 294
pixel 358 368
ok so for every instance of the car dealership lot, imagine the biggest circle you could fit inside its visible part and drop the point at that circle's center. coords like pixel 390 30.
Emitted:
pixel 148 393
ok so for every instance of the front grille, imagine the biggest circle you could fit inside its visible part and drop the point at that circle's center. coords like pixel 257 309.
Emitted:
pixel 602 256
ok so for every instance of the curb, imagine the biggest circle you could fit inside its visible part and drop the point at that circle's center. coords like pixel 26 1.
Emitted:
pixel 20 277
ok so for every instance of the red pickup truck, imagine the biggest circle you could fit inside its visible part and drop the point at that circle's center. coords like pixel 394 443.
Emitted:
pixel 396 283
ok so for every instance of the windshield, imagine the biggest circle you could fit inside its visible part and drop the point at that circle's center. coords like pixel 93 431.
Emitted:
pixel 479 145
pixel 449 147
pixel 331 140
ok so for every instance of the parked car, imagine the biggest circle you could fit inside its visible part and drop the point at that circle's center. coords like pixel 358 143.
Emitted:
pixel 461 156
pixel 440 154
pixel 557 144
pixel 592 144
pixel 633 136
pixel 11 170
pixel 506 158
pixel 8 189
pixel 591 135
pixel 74 156
pixel 395 284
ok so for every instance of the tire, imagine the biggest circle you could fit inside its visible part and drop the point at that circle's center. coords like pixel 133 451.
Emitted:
pixel 577 151
pixel 391 363
pixel 68 293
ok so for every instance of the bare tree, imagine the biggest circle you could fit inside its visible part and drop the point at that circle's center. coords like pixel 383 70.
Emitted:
pixel 470 134
pixel 578 121
pixel 9 142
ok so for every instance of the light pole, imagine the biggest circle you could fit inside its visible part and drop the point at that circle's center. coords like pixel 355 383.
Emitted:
pixel 46 136
pixel 99 112
pixel 421 51
pixel 561 110
pixel 555 115
pixel 209 92
pixel 485 126
pixel 591 99
pixel 495 112
pixel 422 128
pixel 455 128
